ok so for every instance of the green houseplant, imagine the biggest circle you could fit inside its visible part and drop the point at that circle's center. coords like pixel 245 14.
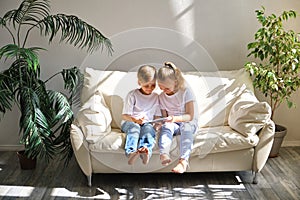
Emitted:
pixel 46 114
pixel 277 74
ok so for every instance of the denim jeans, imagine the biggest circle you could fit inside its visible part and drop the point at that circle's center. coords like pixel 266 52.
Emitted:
pixel 138 136
pixel 185 130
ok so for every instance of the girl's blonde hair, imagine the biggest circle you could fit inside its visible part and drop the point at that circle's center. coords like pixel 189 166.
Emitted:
pixel 170 71
pixel 146 73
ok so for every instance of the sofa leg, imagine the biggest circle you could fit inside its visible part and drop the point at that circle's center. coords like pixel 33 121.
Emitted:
pixel 89 179
pixel 255 178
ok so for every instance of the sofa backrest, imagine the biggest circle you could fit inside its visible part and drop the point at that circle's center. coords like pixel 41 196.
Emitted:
pixel 215 92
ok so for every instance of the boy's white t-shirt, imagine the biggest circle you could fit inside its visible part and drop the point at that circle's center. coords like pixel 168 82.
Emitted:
pixel 175 104
pixel 139 105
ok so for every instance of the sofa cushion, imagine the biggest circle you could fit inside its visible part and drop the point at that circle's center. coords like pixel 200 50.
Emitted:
pixel 248 115
pixel 216 92
pixel 94 118
pixel 114 85
pixel 112 142
pixel 220 139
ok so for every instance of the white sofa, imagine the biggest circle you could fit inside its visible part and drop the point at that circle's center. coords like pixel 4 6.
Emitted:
pixel 235 130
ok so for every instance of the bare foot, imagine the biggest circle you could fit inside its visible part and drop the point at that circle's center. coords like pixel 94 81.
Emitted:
pixel 181 166
pixel 144 155
pixel 132 157
pixel 165 159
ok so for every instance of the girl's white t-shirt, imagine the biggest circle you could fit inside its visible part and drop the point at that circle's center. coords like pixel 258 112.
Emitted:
pixel 175 104
pixel 139 105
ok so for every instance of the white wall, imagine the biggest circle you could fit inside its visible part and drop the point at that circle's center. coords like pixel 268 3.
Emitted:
pixel 222 27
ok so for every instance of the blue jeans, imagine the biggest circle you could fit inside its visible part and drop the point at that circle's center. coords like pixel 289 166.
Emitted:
pixel 185 130
pixel 138 136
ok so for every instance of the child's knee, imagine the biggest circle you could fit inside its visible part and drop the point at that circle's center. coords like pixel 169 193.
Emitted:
pixel 168 126
pixel 188 128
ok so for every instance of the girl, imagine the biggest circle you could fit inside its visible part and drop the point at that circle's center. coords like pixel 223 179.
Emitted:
pixel 140 106
pixel 177 104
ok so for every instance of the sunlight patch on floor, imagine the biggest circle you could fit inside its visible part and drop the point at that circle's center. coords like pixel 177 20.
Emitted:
pixel 15 191
pixel 26 191
pixel 63 192
pixel 227 186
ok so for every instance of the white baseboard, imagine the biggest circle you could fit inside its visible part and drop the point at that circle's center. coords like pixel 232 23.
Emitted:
pixel 11 147
pixel 290 143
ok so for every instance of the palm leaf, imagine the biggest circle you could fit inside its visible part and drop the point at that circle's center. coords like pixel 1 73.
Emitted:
pixel 34 125
pixel 2 21
pixel 29 12
pixel 28 54
pixel 63 142
pixel 6 95
pixel 73 80
pixel 61 123
pixel 74 31
pixel 60 104
pixel 10 80
pixel 8 17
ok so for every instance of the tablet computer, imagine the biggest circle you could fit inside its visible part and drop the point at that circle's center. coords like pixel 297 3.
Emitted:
pixel 158 120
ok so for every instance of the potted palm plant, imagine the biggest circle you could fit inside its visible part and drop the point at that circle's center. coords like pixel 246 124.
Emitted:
pixel 277 74
pixel 46 114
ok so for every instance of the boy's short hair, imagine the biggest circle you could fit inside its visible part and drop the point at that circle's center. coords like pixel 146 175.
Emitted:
pixel 146 73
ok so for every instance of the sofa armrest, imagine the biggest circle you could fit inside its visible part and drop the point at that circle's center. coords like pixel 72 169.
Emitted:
pixel 247 115
pixel 81 151
pixel 264 146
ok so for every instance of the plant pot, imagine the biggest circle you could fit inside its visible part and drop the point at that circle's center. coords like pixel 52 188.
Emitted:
pixel 280 132
pixel 25 162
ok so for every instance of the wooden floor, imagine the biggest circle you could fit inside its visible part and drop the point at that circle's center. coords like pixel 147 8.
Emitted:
pixel 280 179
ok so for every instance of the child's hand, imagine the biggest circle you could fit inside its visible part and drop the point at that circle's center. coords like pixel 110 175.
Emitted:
pixel 138 121
pixel 157 126
pixel 169 119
